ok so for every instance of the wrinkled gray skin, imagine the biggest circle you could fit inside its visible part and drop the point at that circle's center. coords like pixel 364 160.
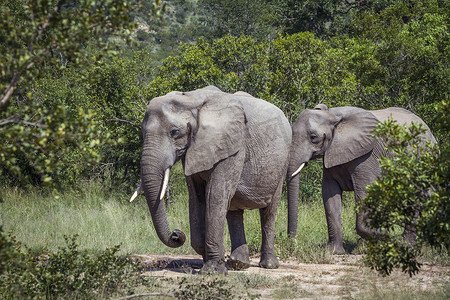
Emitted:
pixel 234 149
pixel 343 137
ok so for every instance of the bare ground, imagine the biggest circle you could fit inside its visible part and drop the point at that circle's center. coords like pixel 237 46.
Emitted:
pixel 347 278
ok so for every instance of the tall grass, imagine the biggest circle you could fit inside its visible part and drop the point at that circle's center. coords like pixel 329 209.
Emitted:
pixel 104 218
pixel 101 218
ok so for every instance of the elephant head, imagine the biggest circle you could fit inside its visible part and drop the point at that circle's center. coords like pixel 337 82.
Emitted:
pixel 339 135
pixel 201 128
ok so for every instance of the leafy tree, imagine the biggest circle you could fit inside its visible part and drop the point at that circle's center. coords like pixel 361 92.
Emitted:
pixel 308 15
pixel 400 55
pixel 293 71
pixel 40 38
pixel 254 18
pixel 305 71
pixel 120 94
pixel 117 91
pixel 179 22
pixel 412 192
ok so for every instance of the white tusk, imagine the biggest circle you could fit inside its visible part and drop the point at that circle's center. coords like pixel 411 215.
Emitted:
pixel 298 170
pixel 136 193
pixel 165 183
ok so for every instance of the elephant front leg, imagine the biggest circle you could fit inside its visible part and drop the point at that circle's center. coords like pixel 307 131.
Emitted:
pixel 221 187
pixel 239 258
pixel 332 200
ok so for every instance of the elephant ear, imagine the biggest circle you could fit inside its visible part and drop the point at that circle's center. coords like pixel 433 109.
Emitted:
pixel 220 134
pixel 352 136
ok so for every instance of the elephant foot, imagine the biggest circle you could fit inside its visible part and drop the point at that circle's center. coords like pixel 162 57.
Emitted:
pixel 336 249
pixel 269 261
pixel 214 267
pixel 239 259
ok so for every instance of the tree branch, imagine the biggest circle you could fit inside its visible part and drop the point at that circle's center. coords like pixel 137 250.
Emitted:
pixel 124 121
pixel 16 120
pixel 9 90
pixel 145 295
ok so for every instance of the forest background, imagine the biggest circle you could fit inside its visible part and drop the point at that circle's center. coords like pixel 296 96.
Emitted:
pixel 76 76
pixel 294 54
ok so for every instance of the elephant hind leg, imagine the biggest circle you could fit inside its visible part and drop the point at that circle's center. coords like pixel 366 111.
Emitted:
pixel 362 229
pixel 197 208
pixel 239 258
pixel 410 233
pixel 267 215
pixel 362 219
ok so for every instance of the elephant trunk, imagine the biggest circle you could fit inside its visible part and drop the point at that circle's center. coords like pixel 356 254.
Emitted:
pixel 297 162
pixel 293 184
pixel 152 174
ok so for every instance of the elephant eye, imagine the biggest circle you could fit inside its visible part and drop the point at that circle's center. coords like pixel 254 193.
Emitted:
pixel 174 132
pixel 313 138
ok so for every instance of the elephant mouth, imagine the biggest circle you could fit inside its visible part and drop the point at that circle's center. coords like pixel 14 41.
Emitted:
pixel 163 187
pixel 180 152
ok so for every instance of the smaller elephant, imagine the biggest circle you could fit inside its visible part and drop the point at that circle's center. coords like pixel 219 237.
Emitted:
pixel 343 137
pixel 234 150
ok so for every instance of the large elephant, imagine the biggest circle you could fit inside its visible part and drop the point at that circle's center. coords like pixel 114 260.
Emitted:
pixel 343 136
pixel 234 150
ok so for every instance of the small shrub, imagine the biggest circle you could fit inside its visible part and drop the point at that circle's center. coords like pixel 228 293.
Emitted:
pixel 412 191
pixel 208 288
pixel 65 273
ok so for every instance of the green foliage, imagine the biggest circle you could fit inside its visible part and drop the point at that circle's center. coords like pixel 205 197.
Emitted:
pixel 65 273
pixel 293 71
pixel 116 91
pixel 37 33
pixel 386 254
pixel 207 288
pixel 44 142
pixel 179 21
pixel 256 18
pixel 319 17
pixel 40 38
pixel 261 19
pixel 400 56
pixel 413 192
pixel 6 251
pixel 304 71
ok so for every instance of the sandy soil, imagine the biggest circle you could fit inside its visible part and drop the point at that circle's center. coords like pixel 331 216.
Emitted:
pixel 347 277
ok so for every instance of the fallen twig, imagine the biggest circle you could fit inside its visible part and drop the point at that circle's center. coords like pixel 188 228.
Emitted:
pixel 145 295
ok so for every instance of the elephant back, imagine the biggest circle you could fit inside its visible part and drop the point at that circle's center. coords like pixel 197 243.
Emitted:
pixel 404 117
pixel 266 119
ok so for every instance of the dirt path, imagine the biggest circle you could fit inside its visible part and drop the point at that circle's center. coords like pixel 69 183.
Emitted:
pixel 346 278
